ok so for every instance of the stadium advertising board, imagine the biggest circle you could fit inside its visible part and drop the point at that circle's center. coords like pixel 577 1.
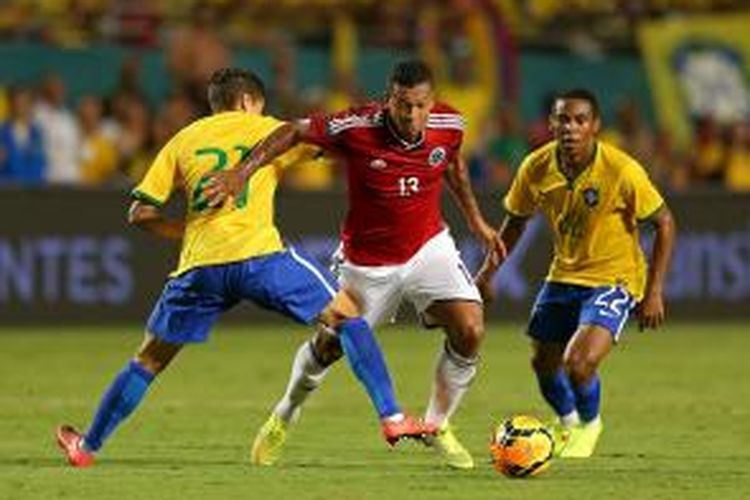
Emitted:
pixel 69 256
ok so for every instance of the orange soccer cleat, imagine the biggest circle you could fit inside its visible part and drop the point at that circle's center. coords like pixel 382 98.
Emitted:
pixel 407 427
pixel 69 440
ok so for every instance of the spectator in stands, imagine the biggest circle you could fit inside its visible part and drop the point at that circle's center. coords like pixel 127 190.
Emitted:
pixel 175 114
pixel 310 169
pixel 538 132
pixel 506 148
pixel 709 153
pixel 178 111
pixel 195 51
pixel 631 133
pixel 668 166
pixel 62 139
pixel 133 139
pixel 738 157
pixel 134 22
pixel 98 153
pixel 467 69
pixel 22 158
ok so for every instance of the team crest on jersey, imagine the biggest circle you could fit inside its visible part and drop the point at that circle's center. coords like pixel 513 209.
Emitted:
pixel 378 164
pixel 591 196
pixel 437 156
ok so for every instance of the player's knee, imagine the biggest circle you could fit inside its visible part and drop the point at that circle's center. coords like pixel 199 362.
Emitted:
pixel 155 355
pixel 327 347
pixel 344 306
pixel 151 364
pixel 468 338
pixel 580 366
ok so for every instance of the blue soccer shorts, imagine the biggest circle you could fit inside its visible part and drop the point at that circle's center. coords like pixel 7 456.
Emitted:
pixel 561 308
pixel 285 281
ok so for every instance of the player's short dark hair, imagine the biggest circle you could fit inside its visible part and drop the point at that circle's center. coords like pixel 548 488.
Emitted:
pixel 410 73
pixel 227 85
pixel 584 95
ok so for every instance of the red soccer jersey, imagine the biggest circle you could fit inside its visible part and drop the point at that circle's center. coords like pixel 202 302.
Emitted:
pixel 394 188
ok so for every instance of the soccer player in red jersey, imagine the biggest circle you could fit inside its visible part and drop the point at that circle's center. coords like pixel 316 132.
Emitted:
pixel 395 243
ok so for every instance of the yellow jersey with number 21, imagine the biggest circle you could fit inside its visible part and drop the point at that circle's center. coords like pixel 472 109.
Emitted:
pixel 244 226
pixel 594 218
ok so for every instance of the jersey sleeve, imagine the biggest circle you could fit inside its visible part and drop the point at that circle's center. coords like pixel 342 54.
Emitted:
pixel 641 193
pixel 329 131
pixel 159 182
pixel 520 200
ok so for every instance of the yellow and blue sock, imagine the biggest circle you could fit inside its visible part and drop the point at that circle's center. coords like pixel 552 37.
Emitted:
pixel 119 401
pixel 588 399
pixel 367 363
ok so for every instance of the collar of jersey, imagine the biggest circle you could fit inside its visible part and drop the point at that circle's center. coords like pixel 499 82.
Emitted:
pixel 404 143
pixel 558 179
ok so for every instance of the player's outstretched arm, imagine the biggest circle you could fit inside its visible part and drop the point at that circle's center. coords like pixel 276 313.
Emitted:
pixel 150 218
pixel 651 309
pixel 221 185
pixel 457 177
pixel 511 230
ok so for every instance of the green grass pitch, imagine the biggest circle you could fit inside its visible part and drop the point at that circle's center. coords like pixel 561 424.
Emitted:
pixel 676 410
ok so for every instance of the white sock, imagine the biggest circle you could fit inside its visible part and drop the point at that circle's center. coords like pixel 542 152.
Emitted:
pixel 396 417
pixel 453 376
pixel 307 374
pixel 571 419
pixel 596 421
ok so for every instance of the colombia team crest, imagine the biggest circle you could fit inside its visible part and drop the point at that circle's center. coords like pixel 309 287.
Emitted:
pixel 437 156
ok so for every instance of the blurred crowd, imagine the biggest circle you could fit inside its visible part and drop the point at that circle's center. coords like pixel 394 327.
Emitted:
pixel 110 140
pixel 719 156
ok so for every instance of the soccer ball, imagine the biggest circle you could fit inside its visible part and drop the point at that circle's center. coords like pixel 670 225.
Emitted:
pixel 521 446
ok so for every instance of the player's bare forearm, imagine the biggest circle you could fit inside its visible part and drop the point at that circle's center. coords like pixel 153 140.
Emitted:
pixel 280 141
pixel 460 186
pixel 150 219
pixel 651 311
pixel 223 184
pixel 511 230
pixel 663 245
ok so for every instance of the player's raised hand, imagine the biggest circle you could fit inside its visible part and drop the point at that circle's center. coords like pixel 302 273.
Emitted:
pixel 221 185
pixel 651 311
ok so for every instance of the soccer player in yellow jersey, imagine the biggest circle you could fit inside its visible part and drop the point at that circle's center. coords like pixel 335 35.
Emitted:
pixel 593 196
pixel 229 254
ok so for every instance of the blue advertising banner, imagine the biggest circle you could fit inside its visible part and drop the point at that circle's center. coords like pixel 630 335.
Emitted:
pixel 68 256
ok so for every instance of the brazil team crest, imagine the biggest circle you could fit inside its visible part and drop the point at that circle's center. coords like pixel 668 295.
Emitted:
pixel 437 156
pixel 591 196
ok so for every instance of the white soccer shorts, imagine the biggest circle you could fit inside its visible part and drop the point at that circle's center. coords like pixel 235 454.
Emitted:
pixel 434 273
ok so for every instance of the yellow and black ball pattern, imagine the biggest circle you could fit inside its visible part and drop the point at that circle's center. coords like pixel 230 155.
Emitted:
pixel 521 446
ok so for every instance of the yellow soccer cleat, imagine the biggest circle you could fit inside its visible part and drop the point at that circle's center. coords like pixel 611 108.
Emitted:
pixel 269 442
pixel 560 437
pixel 582 440
pixel 450 448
